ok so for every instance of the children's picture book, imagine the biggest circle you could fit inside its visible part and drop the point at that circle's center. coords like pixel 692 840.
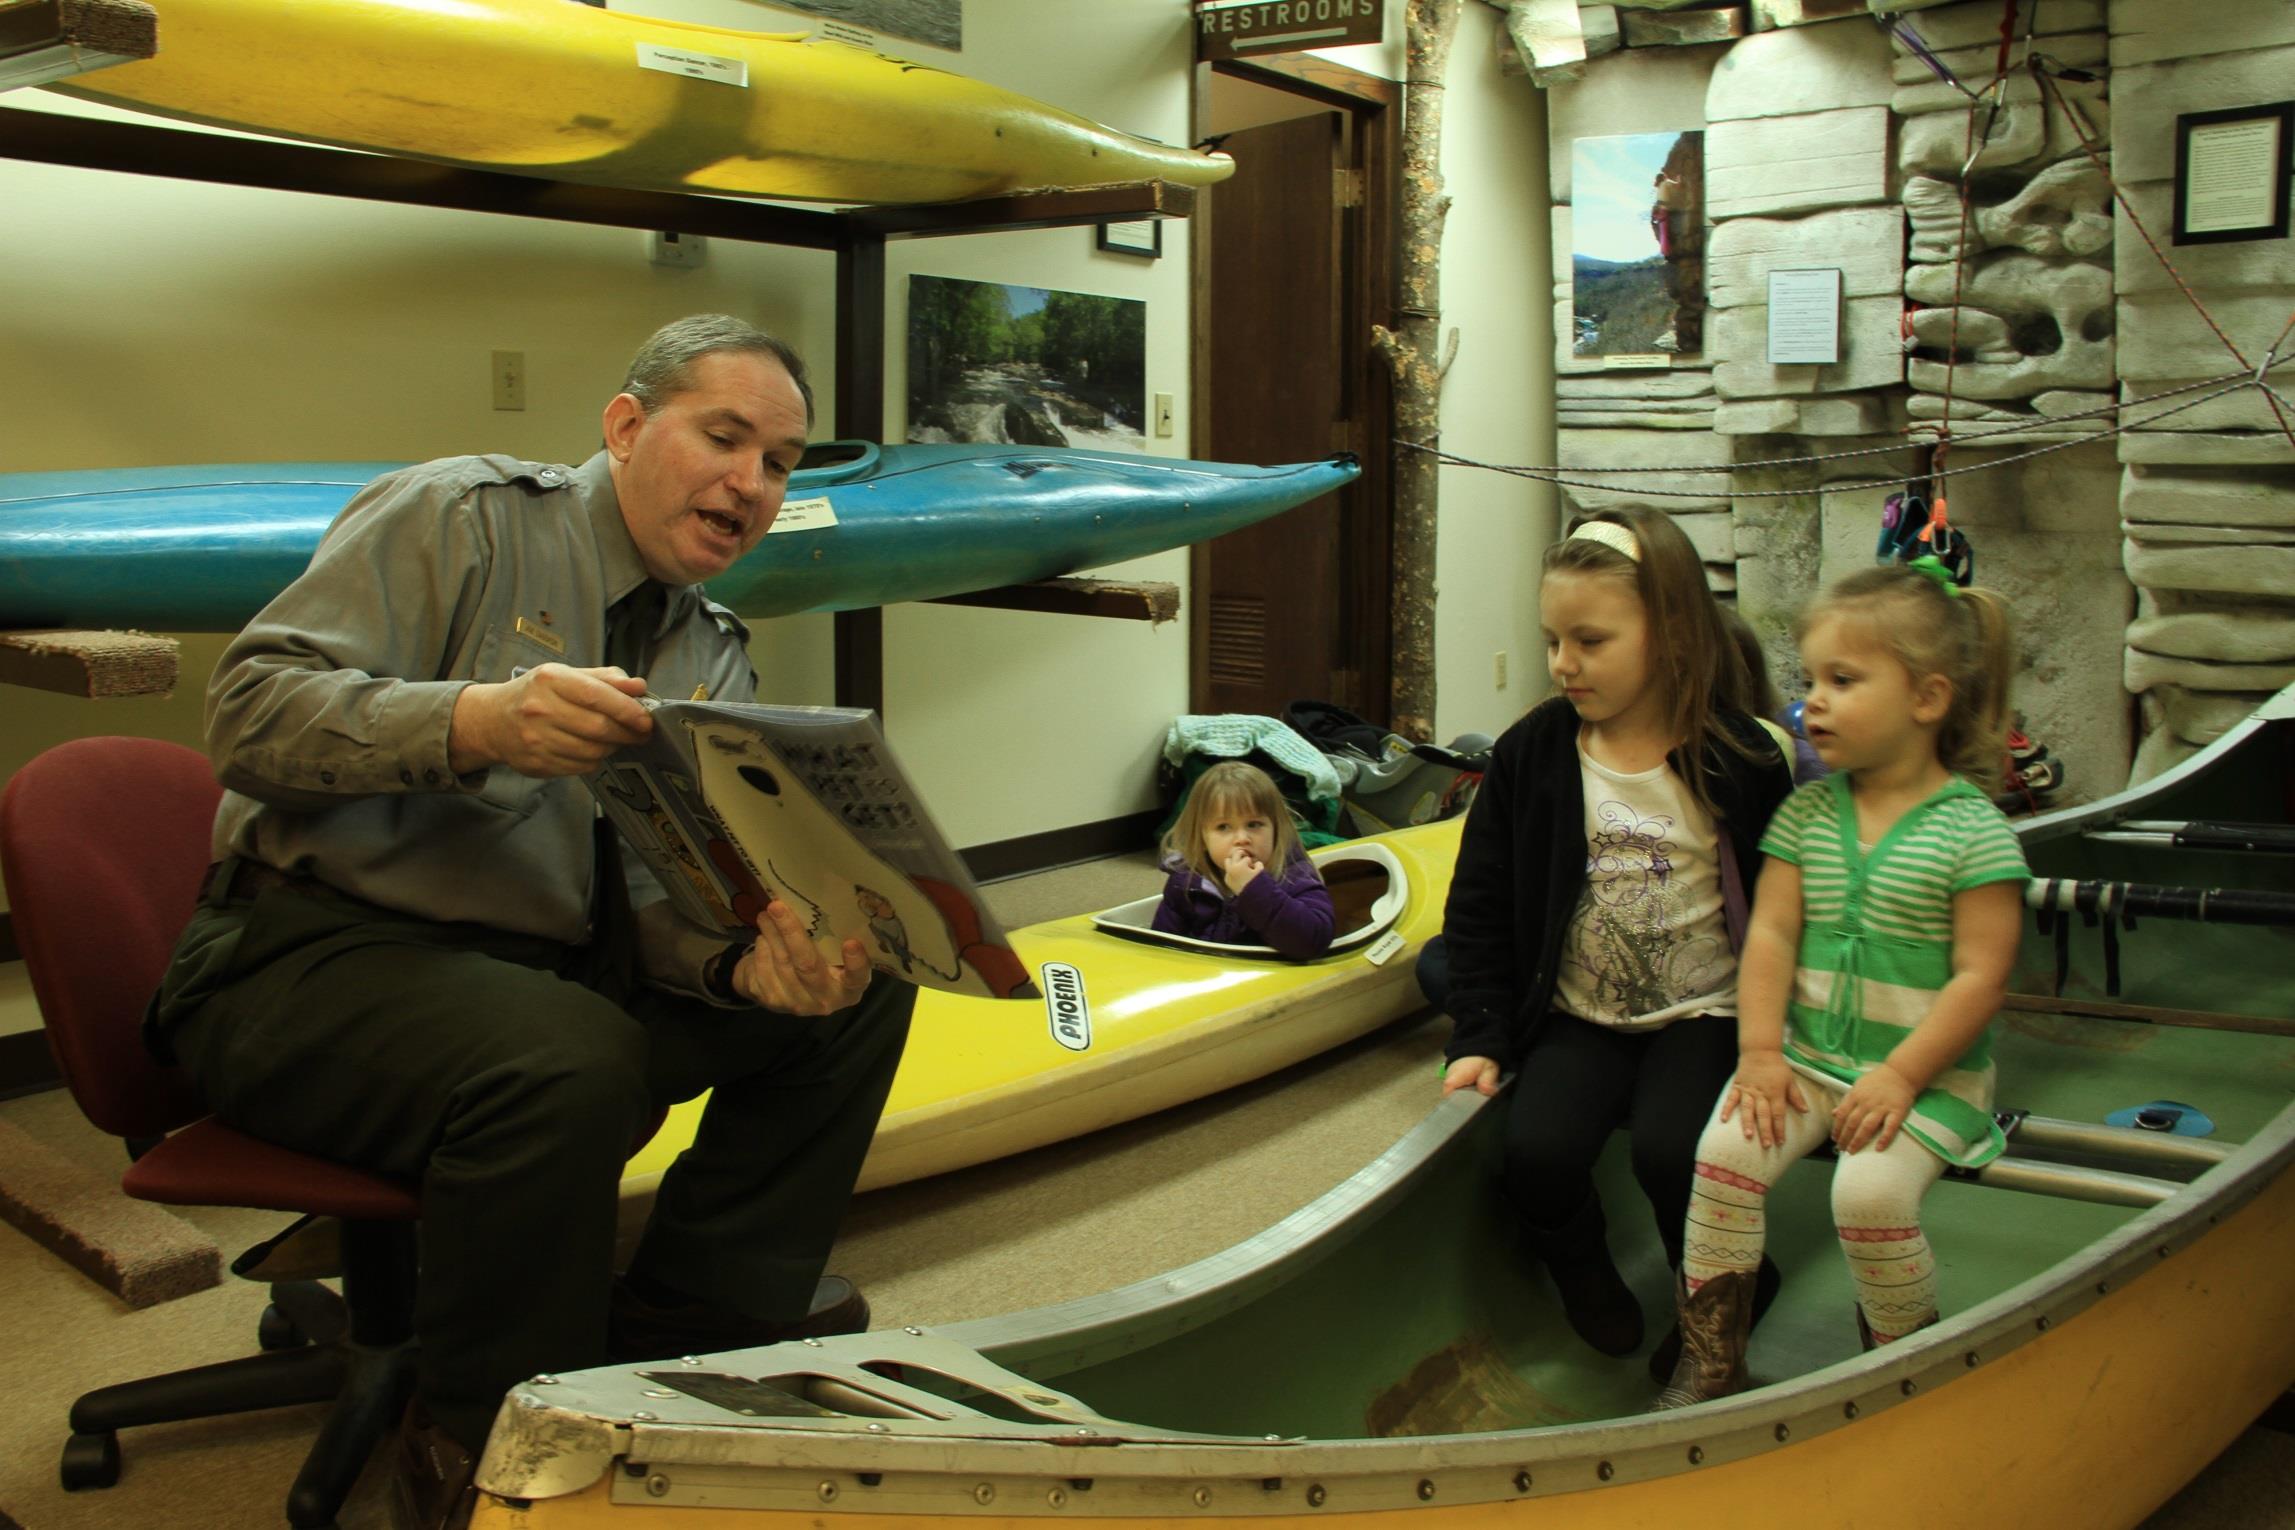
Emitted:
pixel 733 804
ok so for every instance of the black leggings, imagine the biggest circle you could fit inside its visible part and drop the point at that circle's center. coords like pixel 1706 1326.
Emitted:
pixel 1579 1081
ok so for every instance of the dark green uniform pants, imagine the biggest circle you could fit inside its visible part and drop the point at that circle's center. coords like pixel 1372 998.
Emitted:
pixel 511 1075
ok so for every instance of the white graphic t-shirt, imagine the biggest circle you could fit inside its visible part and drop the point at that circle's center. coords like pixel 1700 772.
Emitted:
pixel 1647 942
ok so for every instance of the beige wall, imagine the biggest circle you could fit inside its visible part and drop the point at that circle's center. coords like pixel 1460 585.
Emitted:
pixel 1498 397
pixel 151 322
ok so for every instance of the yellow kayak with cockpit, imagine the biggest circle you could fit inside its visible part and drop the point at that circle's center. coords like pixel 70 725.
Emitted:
pixel 1133 1022
pixel 575 93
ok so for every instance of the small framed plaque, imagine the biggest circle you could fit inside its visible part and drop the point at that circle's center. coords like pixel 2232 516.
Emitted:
pixel 1805 317
pixel 2231 173
pixel 1140 236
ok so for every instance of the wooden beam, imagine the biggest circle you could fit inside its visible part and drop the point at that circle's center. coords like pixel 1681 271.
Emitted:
pixel 1151 601
pixel 44 40
pixel 1313 76
pixel 2149 1014
pixel 90 143
pixel 91 664
pixel 1026 210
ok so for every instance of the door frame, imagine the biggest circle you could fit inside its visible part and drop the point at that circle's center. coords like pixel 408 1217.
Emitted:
pixel 1366 280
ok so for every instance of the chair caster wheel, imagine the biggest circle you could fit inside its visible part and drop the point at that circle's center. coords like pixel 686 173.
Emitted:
pixel 275 1330
pixel 90 1461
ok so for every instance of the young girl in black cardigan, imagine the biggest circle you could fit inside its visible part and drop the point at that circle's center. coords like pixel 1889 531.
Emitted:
pixel 1597 904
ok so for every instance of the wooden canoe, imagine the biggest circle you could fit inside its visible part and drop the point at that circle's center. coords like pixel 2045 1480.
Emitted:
pixel 2118 1306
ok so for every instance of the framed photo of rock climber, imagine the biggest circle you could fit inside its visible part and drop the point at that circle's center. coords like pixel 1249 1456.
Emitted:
pixel 2231 169
pixel 1637 246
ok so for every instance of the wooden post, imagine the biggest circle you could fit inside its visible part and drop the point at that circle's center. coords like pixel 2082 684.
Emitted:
pixel 1413 349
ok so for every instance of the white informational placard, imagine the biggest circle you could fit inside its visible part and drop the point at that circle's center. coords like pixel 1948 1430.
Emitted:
pixel 1805 317
pixel 2230 178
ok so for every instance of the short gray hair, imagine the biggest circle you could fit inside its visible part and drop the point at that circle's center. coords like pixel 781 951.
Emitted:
pixel 663 366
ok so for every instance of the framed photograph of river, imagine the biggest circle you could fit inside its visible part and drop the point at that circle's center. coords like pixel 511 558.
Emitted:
pixel 1637 247
pixel 1025 366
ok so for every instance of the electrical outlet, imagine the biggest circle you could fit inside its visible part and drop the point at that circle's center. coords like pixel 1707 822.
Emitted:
pixel 1163 414
pixel 508 370
pixel 683 250
pixel 1498 670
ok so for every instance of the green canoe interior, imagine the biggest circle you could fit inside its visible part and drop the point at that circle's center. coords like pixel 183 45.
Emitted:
pixel 1432 1321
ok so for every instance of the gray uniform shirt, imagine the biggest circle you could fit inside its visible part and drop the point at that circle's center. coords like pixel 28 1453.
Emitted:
pixel 327 717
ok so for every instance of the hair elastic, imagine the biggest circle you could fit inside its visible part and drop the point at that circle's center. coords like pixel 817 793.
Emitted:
pixel 1611 535
pixel 1933 566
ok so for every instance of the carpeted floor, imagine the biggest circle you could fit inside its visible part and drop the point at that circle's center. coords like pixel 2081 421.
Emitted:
pixel 1060 1222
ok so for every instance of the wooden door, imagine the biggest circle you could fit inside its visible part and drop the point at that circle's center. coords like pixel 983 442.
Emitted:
pixel 1270 601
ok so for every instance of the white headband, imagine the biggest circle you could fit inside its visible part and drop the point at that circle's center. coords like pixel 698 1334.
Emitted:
pixel 1611 535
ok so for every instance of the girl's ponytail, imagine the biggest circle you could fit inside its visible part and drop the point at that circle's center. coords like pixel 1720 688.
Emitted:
pixel 1974 738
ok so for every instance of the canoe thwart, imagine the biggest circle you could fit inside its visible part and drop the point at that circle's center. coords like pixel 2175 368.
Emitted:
pixel 52 39
pixel 2070 1182
pixel 2114 1146
pixel 1153 601
pixel 93 664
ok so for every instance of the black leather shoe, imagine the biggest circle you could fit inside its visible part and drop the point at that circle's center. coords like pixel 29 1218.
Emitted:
pixel 1598 1303
pixel 639 1330
pixel 430 1476
pixel 1596 1300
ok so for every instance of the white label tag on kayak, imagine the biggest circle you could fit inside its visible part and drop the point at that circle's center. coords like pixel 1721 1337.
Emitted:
pixel 812 514
pixel 694 66
pixel 848 34
pixel 1382 948
pixel 1064 1006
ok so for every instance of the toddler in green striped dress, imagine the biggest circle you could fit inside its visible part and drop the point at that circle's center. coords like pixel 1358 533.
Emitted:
pixel 1884 924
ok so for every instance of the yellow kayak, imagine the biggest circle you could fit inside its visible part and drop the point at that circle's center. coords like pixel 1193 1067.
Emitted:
pixel 581 94
pixel 1131 1023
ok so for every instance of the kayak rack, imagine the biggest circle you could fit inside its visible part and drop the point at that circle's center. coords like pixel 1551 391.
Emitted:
pixel 2125 900
pixel 2114 905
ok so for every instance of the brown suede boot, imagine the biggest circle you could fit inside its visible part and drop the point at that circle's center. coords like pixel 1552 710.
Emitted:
pixel 1715 1320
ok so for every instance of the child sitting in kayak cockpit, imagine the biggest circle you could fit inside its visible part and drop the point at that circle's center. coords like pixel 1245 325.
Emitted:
pixel 1239 875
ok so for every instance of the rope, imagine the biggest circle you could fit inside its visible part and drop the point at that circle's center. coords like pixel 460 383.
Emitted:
pixel 2227 383
pixel 1554 475
pixel 1990 99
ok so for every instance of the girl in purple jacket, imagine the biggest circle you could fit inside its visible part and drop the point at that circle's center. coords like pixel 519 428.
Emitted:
pixel 1238 873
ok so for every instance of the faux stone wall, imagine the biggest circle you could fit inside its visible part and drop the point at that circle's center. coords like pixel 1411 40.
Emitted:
pixel 1829 144
pixel 2207 496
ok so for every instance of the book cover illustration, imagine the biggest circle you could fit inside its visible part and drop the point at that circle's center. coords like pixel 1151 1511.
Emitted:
pixel 731 805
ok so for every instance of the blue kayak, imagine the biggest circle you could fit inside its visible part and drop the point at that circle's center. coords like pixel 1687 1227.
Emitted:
pixel 202 549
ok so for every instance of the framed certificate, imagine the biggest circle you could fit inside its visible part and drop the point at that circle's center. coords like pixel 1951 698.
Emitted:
pixel 2231 173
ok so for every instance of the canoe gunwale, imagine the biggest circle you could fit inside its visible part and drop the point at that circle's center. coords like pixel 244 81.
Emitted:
pixel 2129 802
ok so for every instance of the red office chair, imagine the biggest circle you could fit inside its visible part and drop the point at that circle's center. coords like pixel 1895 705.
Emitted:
pixel 104 841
